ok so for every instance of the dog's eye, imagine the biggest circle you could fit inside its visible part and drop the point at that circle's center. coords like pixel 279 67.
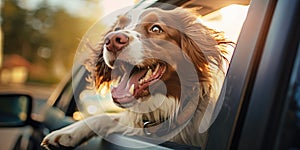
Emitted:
pixel 156 29
pixel 117 28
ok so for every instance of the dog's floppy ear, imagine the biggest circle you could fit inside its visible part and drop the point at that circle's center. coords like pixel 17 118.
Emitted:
pixel 194 54
pixel 203 54
pixel 100 73
pixel 206 48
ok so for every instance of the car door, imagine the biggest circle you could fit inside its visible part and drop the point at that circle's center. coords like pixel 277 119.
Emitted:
pixel 260 79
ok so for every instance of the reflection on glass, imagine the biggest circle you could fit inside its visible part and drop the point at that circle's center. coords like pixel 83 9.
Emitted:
pixel 91 103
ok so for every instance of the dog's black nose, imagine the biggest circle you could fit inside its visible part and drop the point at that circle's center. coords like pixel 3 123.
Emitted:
pixel 116 41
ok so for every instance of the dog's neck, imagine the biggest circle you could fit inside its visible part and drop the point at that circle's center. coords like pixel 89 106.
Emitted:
pixel 185 112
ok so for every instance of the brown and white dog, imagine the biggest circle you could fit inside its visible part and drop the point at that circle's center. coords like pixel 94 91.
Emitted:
pixel 165 68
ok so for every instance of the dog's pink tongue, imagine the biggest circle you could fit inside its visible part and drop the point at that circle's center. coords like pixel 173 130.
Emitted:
pixel 122 91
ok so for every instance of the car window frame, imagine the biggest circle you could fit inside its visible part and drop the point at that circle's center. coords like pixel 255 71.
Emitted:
pixel 241 73
pixel 272 79
pixel 56 117
pixel 233 128
pixel 288 126
pixel 72 81
pixel 77 82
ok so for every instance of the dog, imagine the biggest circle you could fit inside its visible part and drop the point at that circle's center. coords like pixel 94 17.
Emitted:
pixel 165 68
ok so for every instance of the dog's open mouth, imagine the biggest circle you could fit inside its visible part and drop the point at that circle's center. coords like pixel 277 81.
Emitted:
pixel 132 82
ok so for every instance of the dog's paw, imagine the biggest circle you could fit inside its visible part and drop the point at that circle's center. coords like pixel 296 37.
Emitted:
pixel 59 140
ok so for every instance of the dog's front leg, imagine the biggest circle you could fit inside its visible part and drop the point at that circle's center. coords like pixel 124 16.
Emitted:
pixel 78 132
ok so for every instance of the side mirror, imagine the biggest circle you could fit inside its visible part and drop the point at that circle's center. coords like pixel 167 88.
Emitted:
pixel 15 110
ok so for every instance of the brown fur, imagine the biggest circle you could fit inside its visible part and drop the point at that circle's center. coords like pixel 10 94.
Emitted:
pixel 183 42
pixel 206 48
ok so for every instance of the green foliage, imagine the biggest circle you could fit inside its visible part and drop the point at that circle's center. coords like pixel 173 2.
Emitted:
pixel 46 36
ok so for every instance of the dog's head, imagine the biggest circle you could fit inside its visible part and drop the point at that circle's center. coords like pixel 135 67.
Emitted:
pixel 159 51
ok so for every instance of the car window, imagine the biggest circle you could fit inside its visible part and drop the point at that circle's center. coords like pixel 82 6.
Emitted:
pixel 291 123
pixel 240 74
pixel 229 19
pixel 65 98
pixel 87 102
pixel 91 103
pixel 258 78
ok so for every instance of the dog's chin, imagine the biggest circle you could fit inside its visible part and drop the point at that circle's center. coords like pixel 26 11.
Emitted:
pixel 132 82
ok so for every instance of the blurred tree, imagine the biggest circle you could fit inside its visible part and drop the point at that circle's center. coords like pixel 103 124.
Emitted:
pixel 46 36
pixel 17 34
pixel 65 33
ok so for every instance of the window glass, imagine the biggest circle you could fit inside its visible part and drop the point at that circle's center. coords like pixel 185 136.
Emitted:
pixel 91 103
pixel 289 137
pixel 66 96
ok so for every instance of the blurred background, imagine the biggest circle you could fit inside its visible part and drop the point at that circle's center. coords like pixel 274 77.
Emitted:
pixel 38 40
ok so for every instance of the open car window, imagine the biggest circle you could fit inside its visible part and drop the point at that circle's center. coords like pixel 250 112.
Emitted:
pixel 229 18
pixel 258 99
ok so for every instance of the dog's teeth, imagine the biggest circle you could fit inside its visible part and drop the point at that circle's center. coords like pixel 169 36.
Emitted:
pixel 148 74
pixel 131 90
pixel 141 81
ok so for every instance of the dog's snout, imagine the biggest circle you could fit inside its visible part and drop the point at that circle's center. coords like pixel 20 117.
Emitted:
pixel 116 41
